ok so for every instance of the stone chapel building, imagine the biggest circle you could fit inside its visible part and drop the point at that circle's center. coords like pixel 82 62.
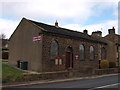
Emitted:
pixel 48 48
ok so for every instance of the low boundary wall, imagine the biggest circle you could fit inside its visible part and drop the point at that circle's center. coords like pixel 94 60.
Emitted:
pixel 67 74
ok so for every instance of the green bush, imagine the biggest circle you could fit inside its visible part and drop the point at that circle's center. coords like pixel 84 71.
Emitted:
pixel 112 65
pixel 104 64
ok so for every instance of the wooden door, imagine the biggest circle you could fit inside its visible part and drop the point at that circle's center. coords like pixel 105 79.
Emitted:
pixel 68 57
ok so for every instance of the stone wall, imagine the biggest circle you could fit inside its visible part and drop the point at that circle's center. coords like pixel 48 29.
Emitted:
pixel 106 71
pixel 46 76
pixel 22 47
pixel 64 42
pixel 112 39
pixel 68 74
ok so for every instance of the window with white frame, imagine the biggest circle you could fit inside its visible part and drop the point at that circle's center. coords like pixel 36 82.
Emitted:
pixel 54 49
pixel 91 53
pixel 82 50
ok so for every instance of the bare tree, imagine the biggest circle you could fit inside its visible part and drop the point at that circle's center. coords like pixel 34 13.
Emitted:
pixel 2 36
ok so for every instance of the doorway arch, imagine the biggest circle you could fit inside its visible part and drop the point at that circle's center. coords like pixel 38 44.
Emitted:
pixel 69 57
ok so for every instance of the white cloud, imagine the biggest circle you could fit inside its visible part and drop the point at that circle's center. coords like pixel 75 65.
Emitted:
pixel 95 27
pixel 7 27
pixel 78 10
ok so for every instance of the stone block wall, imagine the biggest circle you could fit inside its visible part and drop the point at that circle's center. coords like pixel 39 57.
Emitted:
pixel 63 43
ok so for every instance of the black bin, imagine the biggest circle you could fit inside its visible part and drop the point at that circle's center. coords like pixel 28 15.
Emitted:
pixel 23 65
pixel 18 64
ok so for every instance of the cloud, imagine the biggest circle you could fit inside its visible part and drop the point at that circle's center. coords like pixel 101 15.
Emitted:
pixel 62 9
pixel 95 27
pixel 70 13
pixel 7 27
pixel 77 10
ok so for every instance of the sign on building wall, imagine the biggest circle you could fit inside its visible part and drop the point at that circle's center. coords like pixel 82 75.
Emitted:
pixel 37 38
pixel 76 57
pixel 58 60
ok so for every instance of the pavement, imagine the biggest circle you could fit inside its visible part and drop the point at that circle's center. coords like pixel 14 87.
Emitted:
pixel 54 81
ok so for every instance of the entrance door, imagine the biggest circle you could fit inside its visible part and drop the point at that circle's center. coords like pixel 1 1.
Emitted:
pixel 69 58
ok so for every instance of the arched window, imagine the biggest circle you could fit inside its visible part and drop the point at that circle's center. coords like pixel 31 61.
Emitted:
pixel 54 49
pixel 91 53
pixel 81 49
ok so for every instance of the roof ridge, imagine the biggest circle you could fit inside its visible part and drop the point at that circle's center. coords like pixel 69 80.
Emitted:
pixel 64 31
pixel 40 22
pixel 57 27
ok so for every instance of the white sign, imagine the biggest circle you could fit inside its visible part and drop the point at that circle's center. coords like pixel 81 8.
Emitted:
pixel 76 57
pixel 56 61
pixel 60 62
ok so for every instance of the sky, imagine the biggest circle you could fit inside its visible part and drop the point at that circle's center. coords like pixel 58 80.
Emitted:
pixel 78 15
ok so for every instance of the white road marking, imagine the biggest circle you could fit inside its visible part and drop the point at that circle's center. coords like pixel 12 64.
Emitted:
pixel 105 86
pixel 109 85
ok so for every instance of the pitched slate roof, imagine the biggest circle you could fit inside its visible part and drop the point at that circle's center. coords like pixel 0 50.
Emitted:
pixel 65 32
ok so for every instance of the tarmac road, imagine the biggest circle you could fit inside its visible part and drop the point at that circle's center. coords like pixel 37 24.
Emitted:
pixel 89 84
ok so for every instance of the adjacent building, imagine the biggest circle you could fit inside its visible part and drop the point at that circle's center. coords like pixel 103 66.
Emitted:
pixel 112 50
pixel 4 48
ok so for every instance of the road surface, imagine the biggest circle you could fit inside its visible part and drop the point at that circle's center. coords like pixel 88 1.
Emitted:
pixel 89 84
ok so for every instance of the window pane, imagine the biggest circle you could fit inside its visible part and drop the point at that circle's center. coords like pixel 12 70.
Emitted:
pixel 81 48
pixel 54 48
pixel 91 53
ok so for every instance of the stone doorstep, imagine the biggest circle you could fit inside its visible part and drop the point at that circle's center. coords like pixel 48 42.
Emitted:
pixel 53 81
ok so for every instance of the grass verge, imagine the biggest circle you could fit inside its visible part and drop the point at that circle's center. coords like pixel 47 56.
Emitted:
pixel 11 74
